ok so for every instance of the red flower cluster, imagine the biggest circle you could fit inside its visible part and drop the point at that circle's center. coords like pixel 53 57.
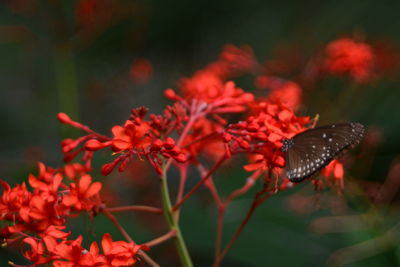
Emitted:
pixel 52 200
pixel 262 134
pixel 54 247
pixel 210 84
pixel 43 212
pixel 288 93
pixel 205 138
pixel 136 137
pixel 350 57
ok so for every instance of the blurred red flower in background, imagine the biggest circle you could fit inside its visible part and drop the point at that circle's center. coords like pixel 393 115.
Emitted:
pixel 347 56
pixel 287 93
pixel 334 169
pixel 141 70
pixel 93 12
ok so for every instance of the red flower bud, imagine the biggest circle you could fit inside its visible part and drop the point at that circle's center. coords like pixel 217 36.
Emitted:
pixel 262 136
pixel 106 169
pixel 169 143
pixel 94 144
pixel 157 145
pixel 226 137
pixel 175 151
pixel 166 155
pixel 244 144
pixel 64 118
pixel 170 94
pixel 70 156
pixel 181 158
pixel 66 141
pixel 253 127
pixel 123 165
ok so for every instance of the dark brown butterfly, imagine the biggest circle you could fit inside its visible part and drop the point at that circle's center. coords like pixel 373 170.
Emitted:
pixel 310 151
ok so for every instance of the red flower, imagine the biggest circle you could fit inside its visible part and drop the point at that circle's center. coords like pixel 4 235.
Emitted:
pixel 348 56
pixel 130 136
pixel 70 253
pixel 334 169
pixel 141 70
pixel 205 139
pixel 262 133
pixel 120 253
pixel 53 247
pixel 137 137
pixel 237 60
pixel 74 170
pixel 30 211
pixel 224 97
pixel 210 84
pixel 40 214
pixel 13 199
pixel 81 195
pixel 37 251
pixel 47 191
pixel 287 93
pixel 48 205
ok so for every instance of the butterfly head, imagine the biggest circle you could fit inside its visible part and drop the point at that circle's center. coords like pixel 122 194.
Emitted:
pixel 287 143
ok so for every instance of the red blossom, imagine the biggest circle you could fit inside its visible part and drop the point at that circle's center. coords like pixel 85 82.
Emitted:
pixel 13 199
pixel 47 191
pixel 347 56
pixel 74 170
pixel 37 251
pixel 53 247
pixel 141 70
pixel 237 60
pixel 82 195
pixel 70 253
pixel 130 136
pixel 334 169
pixel 120 253
pixel 287 93
pixel 205 139
pixel 211 86
pixel 262 133
pixel 139 137
pixel 224 97
pixel 56 232
pixel 333 174
pixel 49 202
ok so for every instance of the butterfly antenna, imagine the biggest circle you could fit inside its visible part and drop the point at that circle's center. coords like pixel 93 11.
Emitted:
pixel 315 121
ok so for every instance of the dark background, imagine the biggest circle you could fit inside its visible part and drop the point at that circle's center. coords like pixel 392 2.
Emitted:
pixel 50 62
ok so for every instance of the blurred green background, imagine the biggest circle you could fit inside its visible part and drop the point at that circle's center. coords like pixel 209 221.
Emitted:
pixel 55 57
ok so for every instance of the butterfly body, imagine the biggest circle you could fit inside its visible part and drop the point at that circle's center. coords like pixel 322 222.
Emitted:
pixel 310 151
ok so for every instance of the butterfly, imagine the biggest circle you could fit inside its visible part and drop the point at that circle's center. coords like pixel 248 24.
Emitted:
pixel 310 151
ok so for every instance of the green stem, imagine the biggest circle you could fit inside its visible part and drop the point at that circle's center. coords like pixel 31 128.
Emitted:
pixel 172 223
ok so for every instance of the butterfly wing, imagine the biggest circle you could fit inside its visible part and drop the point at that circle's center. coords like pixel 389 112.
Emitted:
pixel 313 149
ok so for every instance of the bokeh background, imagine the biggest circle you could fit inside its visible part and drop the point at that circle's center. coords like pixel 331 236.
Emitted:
pixel 95 60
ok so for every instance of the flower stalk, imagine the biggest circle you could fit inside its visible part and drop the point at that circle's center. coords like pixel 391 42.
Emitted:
pixel 172 223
